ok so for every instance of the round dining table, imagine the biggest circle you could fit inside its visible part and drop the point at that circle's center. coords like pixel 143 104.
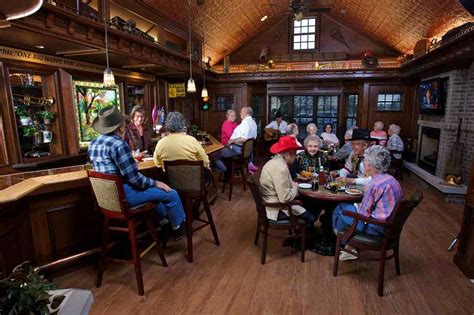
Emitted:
pixel 324 194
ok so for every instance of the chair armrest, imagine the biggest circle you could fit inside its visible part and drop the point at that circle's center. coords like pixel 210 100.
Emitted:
pixel 360 217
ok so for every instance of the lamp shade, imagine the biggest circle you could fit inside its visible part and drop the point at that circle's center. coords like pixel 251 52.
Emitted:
pixel 299 16
pixel 191 86
pixel 204 92
pixel 109 80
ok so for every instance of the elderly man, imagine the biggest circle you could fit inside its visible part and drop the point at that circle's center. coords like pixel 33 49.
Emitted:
pixel 110 154
pixel 381 196
pixel 346 149
pixel 276 184
pixel 311 129
pixel 292 130
pixel 354 171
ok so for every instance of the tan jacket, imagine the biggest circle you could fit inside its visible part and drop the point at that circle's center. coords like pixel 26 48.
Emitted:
pixel 277 186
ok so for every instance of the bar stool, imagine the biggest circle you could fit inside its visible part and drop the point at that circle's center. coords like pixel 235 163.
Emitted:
pixel 110 197
pixel 240 164
pixel 187 177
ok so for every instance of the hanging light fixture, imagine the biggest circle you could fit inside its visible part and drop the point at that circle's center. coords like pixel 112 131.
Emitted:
pixel 204 89
pixel 191 87
pixel 109 80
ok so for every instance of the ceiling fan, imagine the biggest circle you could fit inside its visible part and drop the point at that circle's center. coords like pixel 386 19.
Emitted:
pixel 299 7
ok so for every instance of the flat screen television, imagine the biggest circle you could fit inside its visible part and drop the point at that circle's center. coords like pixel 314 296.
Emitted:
pixel 432 97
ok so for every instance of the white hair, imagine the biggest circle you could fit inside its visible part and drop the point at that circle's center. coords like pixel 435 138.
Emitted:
pixel 380 124
pixel 229 111
pixel 312 138
pixel 291 129
pixel 248 109
pixel 311 125
pixel 348 134
pixel 378 157
pixel 395 129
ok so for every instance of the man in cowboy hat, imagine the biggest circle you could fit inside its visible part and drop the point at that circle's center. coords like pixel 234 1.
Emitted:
pixel 276 184
pixel 353 171
pixel 111 154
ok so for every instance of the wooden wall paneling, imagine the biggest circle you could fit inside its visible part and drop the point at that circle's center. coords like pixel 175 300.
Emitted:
pixel 7 139
pixel 68 114
pixel 363 111
pixel 15 237
pixel 55 126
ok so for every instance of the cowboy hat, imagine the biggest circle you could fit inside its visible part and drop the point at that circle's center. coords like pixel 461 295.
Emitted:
pixel 284 144
pixel 108 120
pixel 361 134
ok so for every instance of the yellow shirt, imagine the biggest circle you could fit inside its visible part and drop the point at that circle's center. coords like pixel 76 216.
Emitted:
pixel 177 146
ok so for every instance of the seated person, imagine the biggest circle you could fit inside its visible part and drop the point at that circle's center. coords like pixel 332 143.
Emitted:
pixel 110 154
pixel 346 149
pixel 311 159
pixel 378 133
pixel 381 196
pixel 353 171
pixel 137 134
pixel 178 146
pixel 228 126
pixel 278 125
pixel 328 137
pixel 311 129
pixel 292 130
pixel 395 143
pixel 276 185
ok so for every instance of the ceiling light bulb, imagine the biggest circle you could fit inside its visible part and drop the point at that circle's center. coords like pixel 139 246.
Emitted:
pixel 264 18
pixel 204 93
pixel 299 16
pixel 109 80
pixel 191 86
pixel 39 46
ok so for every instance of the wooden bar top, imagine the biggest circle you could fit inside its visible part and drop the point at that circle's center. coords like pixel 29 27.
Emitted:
pixel 16 186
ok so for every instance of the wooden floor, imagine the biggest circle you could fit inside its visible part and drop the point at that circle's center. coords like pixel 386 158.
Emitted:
pixel 230 278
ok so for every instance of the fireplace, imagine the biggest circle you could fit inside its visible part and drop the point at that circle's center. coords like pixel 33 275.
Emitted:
pixel 428 152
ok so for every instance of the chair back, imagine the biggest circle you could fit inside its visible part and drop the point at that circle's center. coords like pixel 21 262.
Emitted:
pixel 247 148
pixel 185 176
pixel 109 194
pixel 401 214
pixel 254 183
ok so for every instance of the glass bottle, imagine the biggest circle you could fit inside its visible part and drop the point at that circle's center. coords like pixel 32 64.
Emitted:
pixel 321 175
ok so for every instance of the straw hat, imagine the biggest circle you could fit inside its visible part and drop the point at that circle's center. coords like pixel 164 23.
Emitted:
pixel 108 120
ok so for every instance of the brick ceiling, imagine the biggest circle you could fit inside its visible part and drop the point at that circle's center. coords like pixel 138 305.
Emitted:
pixel 226 25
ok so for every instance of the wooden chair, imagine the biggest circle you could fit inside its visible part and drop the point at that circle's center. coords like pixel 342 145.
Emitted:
pixel 390 241
pixel 110 198
pixel 396 165
pixel 295 226
pixel 187 177
pixel 240 164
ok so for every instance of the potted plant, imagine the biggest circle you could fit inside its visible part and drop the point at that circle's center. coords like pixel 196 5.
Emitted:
pixel 25 292
pixel 30 130
pixel 24 115
pixel 47 116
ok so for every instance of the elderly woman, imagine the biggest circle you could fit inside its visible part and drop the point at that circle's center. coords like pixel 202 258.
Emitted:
pixel 178 146
pixel 395 143
pixel 378 133
pixel 228 126
pixel 381 196
pixel 137 134
pixel 311 129
pixel 311 159
pixel 328 136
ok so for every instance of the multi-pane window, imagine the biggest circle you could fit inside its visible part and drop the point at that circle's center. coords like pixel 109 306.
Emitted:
pixel 352 101
pixel 225 101
pixel 280 104
pixel 304 34
pixel 303 113
pixel 389 102
pixel 257 108
pixel 327 112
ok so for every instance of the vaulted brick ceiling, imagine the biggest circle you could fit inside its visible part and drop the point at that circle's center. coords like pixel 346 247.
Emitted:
pixel 225 25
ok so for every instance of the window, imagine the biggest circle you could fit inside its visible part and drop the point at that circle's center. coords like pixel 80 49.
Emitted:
pixel 257 108
pixel 303 113
pixel 281 104
pixel 352 101
pixel 327 112
pixel 304 34
pixel 225 101
pixel 389 102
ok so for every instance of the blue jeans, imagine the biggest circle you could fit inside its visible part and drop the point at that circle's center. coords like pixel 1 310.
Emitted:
pixel 340 222
pixel 225 153
pixel 168 203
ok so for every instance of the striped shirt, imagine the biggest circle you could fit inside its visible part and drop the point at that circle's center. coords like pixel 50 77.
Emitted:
pixel 110 154
pixel 381 196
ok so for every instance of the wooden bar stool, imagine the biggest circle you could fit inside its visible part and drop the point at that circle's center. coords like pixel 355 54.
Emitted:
pixel 187 177
pixel 239 164
pixel 110 198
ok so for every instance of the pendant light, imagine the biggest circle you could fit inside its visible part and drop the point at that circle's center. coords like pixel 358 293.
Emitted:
pixel 109 80
pixel 204 92
pixel 191 87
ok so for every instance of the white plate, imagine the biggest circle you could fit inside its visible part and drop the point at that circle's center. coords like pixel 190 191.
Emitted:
pixel 148 159
pixel 353 191
pixel 304 186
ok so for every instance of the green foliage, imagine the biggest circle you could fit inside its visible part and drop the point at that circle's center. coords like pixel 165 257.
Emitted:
pixel 30 130
pixel 24 292
pixel 22 112
pixel 46 114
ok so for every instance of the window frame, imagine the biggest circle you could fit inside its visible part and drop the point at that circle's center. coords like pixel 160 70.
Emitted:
pixel 402 101
pixel 224 95
pixel 347 117
pixel 259 118
pixel 336 117
pixel 316 33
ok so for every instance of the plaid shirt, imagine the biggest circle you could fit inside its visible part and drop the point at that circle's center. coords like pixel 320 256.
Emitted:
pixel 110 154
pixel 381 196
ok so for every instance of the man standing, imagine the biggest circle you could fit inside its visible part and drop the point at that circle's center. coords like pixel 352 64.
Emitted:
pixel 110 154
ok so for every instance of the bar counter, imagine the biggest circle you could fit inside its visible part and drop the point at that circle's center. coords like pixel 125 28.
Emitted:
pixel 50 214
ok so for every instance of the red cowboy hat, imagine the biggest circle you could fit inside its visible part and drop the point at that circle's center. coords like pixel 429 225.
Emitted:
pixel 284 144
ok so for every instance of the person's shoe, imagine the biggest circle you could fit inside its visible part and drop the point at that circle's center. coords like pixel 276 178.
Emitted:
pixel 180 232
pixel 252 167
pixel 345 256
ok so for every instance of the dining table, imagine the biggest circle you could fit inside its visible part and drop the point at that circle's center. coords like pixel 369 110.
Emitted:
pixel 324 194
